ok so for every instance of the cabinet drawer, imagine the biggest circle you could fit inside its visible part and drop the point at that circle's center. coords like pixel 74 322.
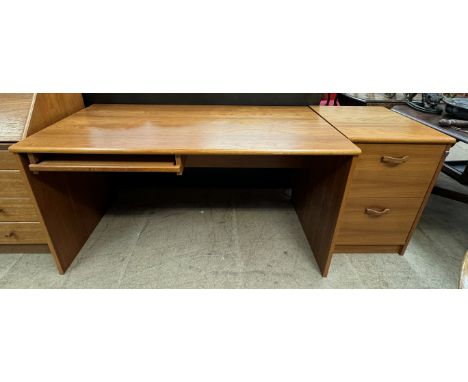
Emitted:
pixel 12 185
pixel 377 221
pixel 7 161
pixel 395 170
pixel 22 233
pixel 17 209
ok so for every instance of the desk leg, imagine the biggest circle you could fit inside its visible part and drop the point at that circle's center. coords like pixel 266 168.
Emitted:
pixel 318 197
pixel 70 205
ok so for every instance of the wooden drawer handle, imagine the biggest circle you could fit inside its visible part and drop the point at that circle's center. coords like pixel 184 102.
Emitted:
pixel 10 234
pixel 373 212
pixel 394 160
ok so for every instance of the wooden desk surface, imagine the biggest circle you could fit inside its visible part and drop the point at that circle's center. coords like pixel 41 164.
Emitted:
pixel 376 124
pixel 162 129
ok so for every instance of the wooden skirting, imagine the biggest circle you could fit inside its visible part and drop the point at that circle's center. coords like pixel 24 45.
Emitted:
pixel 368 248
pixel 24 248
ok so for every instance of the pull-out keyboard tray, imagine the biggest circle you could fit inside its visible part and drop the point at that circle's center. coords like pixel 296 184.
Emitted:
pixel 106 163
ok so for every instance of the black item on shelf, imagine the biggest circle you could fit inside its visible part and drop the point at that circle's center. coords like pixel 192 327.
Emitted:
pixel 457 107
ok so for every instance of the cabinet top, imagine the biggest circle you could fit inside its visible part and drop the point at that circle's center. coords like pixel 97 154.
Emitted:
pixel 376 124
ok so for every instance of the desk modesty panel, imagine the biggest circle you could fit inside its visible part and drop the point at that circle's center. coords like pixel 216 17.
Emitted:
pixel 65 166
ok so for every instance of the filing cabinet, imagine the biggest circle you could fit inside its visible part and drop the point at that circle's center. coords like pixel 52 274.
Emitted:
pixel 386 192
pixel 392 178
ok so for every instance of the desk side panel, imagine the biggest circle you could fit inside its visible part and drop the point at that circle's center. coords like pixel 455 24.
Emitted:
pixel 70 205
pixel 318 197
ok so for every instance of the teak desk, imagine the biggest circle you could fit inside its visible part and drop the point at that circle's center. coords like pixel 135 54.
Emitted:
pixel 66 163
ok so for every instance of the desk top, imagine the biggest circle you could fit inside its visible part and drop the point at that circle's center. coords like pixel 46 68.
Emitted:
pixel 190 130
pixel 376 124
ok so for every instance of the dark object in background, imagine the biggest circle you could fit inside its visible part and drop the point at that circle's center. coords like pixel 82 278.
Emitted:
pixel 252 99
pixel 457 107
pixel 456 169
pixel 430 102
pixel 454 123
pixel 371 99
pixel 432 120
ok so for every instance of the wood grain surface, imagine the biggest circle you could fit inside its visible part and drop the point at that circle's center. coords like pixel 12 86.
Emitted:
pixel 222 130
pixel 376 124
pixel 367 248
pixel 426 198
pixel 70 205
pixel 14 112
pixel 110 163
pixel 48 108
pixel 21 233
pixel 358 227
pixel 24 248
pixel 373 177
pixel 318 197
pixel 7 159
pixel 12 184
pixel 17 209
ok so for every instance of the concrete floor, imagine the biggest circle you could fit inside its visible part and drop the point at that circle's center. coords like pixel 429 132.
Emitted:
pixel 238 239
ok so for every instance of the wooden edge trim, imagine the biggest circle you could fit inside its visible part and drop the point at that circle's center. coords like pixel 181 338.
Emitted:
pixel 179 164
pixel 24 248
pixel 85 166
pixel 343 248
pixel 28 120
